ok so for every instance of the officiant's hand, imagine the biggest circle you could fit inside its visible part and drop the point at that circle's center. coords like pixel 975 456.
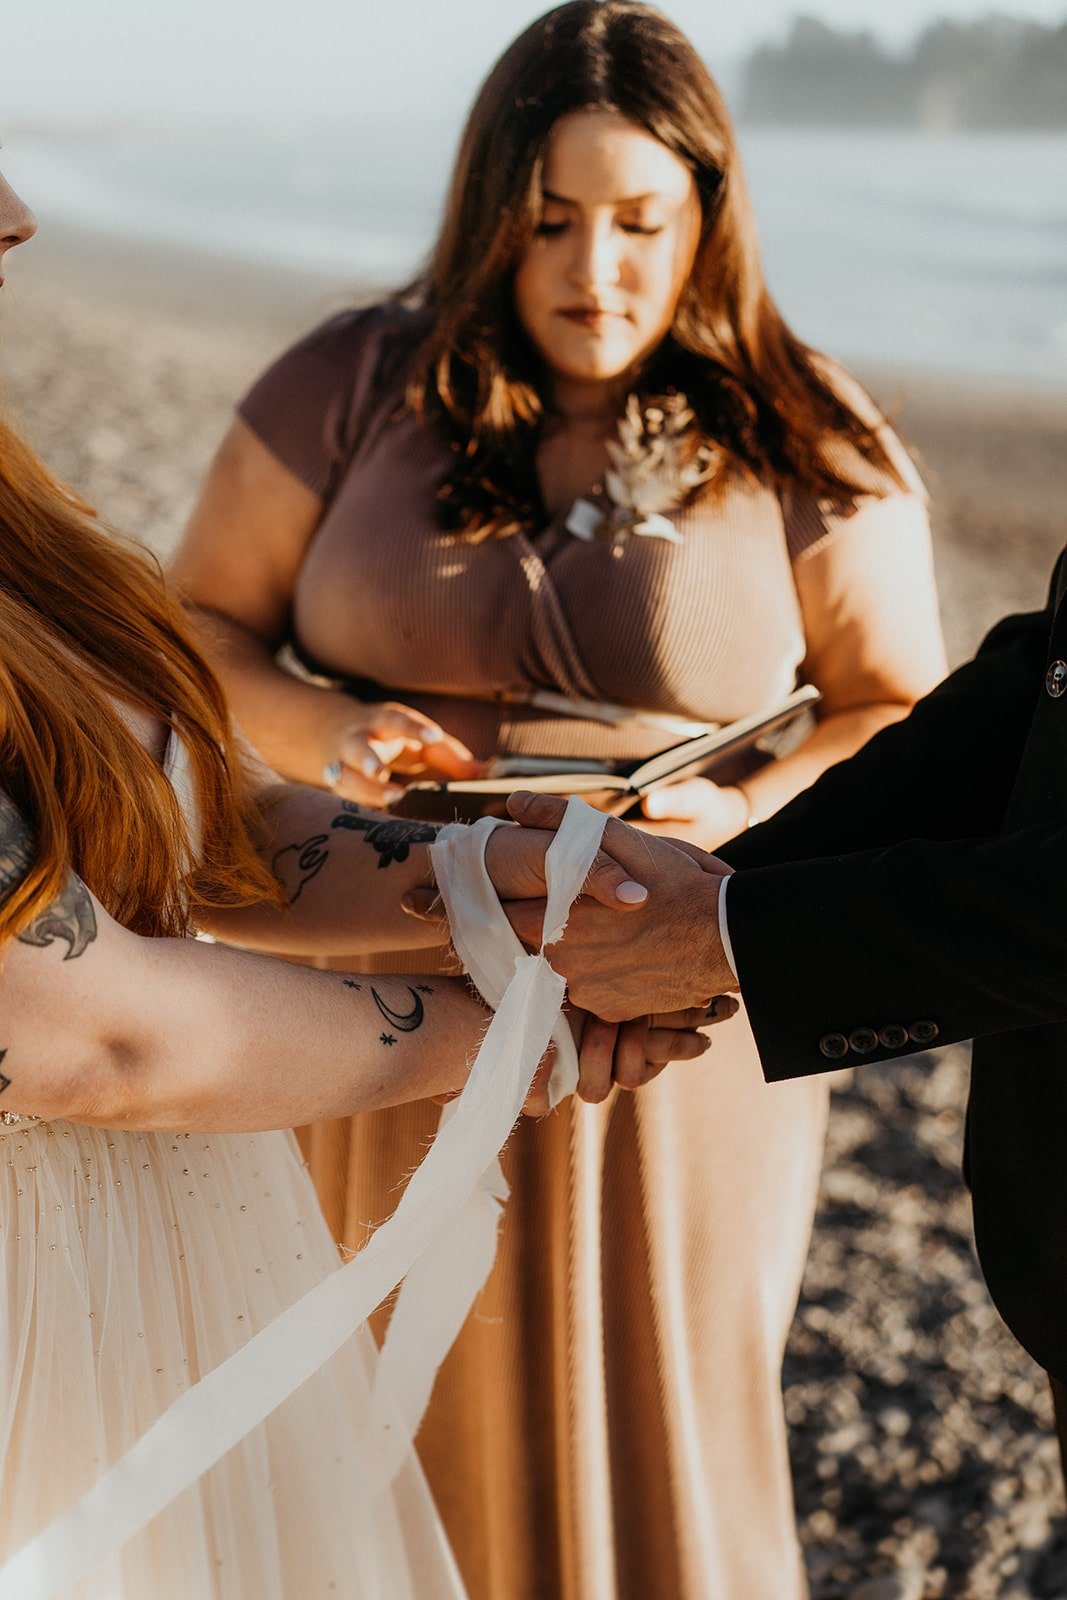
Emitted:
pixel 667 956
pixel 706 813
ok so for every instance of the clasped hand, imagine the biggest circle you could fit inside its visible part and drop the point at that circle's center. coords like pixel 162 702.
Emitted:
pixel 641 955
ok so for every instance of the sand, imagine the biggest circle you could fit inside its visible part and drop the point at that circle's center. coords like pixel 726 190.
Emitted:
pixel 924 1462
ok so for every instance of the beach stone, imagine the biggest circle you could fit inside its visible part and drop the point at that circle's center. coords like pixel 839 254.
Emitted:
pixel 894 1421
pixel 1030 1524
pixel 892 1586
pixel 845 1440
pixel 937 1510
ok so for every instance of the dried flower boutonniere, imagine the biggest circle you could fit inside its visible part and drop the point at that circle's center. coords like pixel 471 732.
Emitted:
pixel 656 461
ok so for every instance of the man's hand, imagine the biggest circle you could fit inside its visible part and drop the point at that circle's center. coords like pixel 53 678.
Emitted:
pixel 667 956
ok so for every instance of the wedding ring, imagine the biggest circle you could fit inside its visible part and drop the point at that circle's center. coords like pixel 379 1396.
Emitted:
pixel 331 774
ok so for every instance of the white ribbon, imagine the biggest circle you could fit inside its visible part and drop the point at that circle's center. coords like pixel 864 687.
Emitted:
pixel 441 1237
pixel 441 1288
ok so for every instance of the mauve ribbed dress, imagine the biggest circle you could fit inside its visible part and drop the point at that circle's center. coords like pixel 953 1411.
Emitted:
pixel 609 1425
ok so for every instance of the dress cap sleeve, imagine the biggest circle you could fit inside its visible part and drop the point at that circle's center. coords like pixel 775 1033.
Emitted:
pixel 310 406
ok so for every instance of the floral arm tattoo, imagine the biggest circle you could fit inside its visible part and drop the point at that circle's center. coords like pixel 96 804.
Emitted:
pixel 390 838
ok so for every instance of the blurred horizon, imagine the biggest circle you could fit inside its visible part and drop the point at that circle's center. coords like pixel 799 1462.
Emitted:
pixel 263 63
pixel 910 184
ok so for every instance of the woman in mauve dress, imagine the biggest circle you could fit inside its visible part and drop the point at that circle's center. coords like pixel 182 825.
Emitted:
pixel 417 499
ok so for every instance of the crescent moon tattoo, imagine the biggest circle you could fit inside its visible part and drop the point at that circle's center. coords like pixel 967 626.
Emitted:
pixel 402 1021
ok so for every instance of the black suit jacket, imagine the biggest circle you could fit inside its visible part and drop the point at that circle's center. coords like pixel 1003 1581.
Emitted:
pixel 917 894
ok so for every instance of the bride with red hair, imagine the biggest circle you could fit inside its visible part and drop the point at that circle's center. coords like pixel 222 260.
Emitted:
pixel 140 1251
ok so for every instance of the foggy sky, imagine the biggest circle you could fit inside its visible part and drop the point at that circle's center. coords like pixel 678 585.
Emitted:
pixel 275 60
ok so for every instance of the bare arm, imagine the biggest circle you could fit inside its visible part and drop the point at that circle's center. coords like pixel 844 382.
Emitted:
pixel 238 565
pixel 102 1026
pixel 344 872
pixel 347 873
pixel 871 619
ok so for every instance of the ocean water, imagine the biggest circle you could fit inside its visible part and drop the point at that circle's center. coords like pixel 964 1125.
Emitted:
pixel 945 253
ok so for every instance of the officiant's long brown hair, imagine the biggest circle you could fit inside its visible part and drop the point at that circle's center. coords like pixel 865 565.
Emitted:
pixel 756 389
pixel 85 619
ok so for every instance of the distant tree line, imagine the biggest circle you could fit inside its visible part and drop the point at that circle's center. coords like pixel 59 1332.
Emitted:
pixel 999 73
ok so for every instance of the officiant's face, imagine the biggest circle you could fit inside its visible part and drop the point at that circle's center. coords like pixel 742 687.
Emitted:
pixel 17 223
pixel 597 286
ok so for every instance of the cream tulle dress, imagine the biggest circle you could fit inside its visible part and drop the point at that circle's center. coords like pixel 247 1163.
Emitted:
pixel 133 1263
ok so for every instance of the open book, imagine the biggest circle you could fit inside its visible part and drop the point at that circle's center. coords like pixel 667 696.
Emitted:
pixel 614 785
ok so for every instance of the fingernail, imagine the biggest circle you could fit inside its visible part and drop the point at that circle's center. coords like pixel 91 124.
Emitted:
pixel 631 894
pixel 370 767
pixel 392 794
pixel 433 736
pixel 653 806
pixel 722 1006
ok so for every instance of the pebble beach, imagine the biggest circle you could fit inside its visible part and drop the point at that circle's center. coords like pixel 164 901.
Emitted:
pixel 924 1461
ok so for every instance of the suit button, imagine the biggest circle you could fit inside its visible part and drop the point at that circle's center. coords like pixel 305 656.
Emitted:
pixel 893 1036
pixel 923 1032
pixel 863 1041
pixel 833 1046
pixel 1056 679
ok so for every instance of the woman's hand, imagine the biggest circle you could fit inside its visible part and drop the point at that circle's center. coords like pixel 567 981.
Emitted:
pixel 707 813
pixel 629 1054
pixel 362 746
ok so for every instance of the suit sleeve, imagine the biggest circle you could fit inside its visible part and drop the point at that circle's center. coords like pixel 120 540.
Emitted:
pixel 946 771
pixel 889 907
